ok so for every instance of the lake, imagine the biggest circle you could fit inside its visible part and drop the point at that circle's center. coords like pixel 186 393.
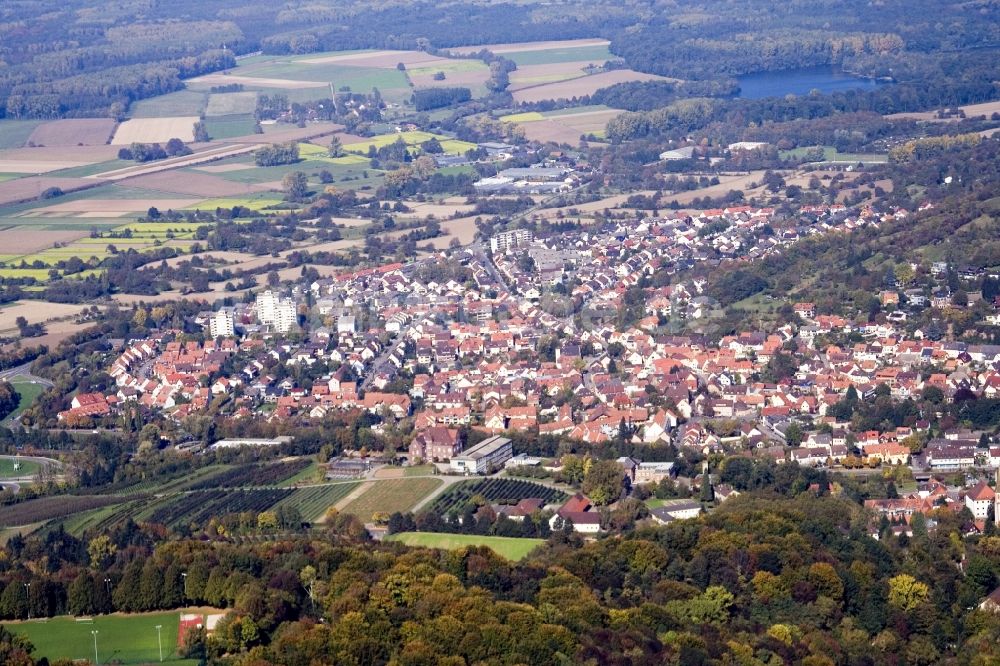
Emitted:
pixel 800 82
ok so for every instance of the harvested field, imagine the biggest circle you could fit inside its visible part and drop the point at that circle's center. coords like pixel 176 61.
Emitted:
pixel 226 104
pixel 14 133
pixel 116 205
pixel 277 133
pixel 473 79
pixel 36 311
pixel 36 167
pixel 22 240
pixel 500 49
pixel 24 189
pixel 586 85
pixel 82 131
pixel 73 154
pixel 150 130
pixel 202 185
pixel 971 110
pixel 57 332
pixel 256 81
pixel 441 211
pixel 567 128
pixel 223 168
pixel 726 183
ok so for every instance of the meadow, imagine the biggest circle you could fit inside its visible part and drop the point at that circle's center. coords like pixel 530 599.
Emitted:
pixel 124 639
pixel 28 467
pixel 27 392
pixel 512 548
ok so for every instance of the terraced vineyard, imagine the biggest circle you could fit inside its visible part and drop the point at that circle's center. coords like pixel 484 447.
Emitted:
pixel 502 491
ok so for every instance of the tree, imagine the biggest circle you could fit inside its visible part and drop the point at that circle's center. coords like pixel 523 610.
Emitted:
pixel 603 482
pixel 296 185
pixel 81 595
pixel 336 147
pixel 906 592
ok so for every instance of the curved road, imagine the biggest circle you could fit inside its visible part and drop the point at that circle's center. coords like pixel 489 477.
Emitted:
pixel 24 371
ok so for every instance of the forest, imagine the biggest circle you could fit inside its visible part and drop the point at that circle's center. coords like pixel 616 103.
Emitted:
pixel 770 577
pixel 76 59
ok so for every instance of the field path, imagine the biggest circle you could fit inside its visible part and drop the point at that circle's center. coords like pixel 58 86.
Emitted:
pixel 214 153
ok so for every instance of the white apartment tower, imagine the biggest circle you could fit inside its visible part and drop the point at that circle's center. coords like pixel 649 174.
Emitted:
pixel 222 324
pixel 275 311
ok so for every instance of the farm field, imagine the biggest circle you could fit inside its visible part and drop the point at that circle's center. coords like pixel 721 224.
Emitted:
pixel 198 507
pixel 227 104
pixel 36 312
pixel 502 491
pixel 313 502
pixel 51 507
pixel 124 639
pixel 252 475
pixel 15 133
pixel 512 548
pixel 228 126
pixel 564 125
pixel 521 47
pixel 82 131
pixel 579 87
pixel 150 130
pixel 180 103
pixel 390 496
pixel 831 154
pixel 411 139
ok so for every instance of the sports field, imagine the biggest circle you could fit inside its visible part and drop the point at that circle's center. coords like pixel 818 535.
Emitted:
pixel 391 496
pixel 125 639
pixel 512 548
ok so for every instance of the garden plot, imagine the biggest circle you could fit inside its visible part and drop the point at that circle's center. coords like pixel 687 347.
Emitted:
pixel 155 130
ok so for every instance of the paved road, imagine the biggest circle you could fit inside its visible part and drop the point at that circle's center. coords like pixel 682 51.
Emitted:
pixel 23 371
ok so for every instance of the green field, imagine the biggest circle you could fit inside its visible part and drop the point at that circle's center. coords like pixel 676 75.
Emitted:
pixel 357 78
pixel 411 139
pixel 125 639
pixel 831 154
pixel 27 391
pixel 227 104
pixel 14 133
pixel 28 467
pixel 513 549
pixel 180 103
pixel 314 501
pixel 390 496
pixel 526 117
pixel 251 202
pixel 226 127
pixel 597 54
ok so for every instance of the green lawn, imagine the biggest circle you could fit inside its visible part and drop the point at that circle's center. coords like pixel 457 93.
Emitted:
pixel 390 496
pixel 27 391
pixel 512 548
pixel 126 639
pixel 28 468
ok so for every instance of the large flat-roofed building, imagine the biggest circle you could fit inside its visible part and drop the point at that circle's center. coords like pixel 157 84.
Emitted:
pixel 489 454
pixel 247 441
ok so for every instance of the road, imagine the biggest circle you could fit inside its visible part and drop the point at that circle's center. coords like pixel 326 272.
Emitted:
pixel 23 371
